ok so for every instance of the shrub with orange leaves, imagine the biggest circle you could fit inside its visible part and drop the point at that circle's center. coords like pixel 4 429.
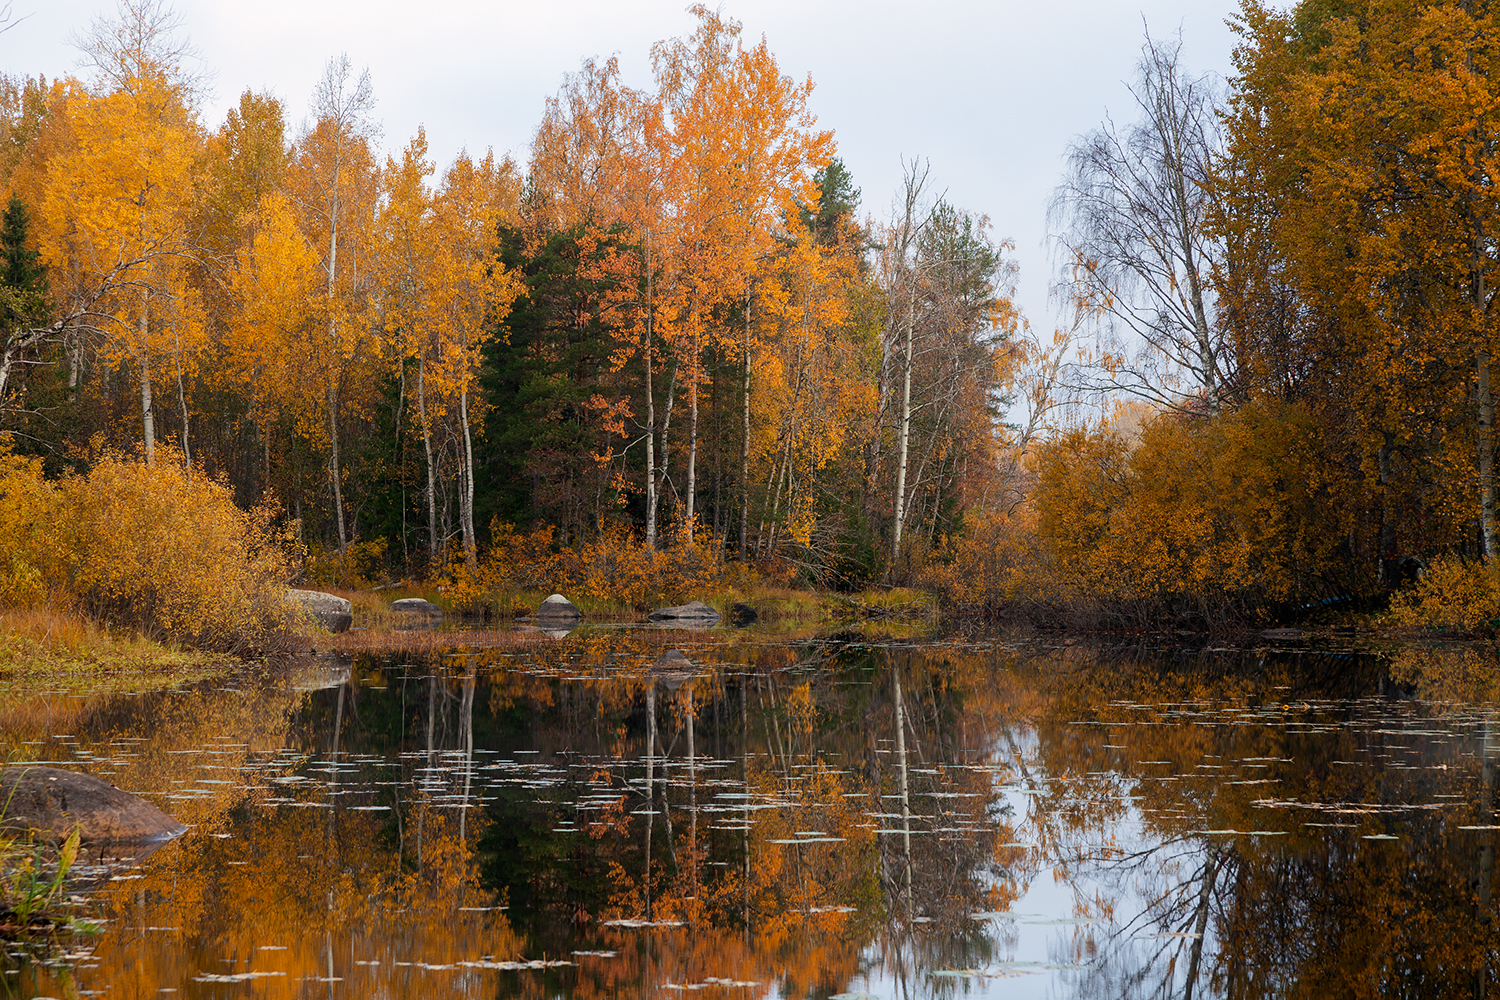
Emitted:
pixel 31 557
pixel 615 569
pixel 152 548
pixel 1453 595
pixel 1223 518
pixel 1221 514
pixel 997 562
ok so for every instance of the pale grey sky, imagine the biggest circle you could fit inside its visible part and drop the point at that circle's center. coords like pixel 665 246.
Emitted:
pixel 989 92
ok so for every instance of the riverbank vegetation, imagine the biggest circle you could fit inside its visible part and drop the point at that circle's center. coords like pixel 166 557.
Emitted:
pixel 669 354
pixel 152 551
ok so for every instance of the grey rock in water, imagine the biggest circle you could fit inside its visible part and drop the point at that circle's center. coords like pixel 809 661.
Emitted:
pixel 694 610
pixel 332 612
pixel 551 633
pixel 416 606
pixel 558 608
pixel 1283 634
pixel 319 672
pixel 51 802
pixel 672 668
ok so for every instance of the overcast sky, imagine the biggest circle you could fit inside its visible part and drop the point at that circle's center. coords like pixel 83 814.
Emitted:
pixel 989 92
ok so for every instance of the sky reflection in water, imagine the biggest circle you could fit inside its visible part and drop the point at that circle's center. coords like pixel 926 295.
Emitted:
pixel 795 820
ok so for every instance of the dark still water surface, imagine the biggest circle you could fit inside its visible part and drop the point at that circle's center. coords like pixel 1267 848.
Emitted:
pixel 795 819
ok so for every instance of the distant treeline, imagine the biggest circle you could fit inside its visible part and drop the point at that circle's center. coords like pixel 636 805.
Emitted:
pixel 671 319
pixel 1272 387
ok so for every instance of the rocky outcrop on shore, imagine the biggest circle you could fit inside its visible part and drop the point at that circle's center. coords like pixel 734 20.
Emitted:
pixel 331 611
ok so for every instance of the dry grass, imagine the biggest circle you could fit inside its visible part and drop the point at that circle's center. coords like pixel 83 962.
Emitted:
pixel 427 642
pixel 59 645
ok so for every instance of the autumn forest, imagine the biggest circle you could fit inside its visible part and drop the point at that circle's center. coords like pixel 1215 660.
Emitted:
pixel 679 326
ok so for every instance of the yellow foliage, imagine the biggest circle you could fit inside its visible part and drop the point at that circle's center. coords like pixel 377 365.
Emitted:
pixel 616 569
pixel 999 558
pixel 30 557
pixel 1452 596
pixel 360 565
pixel 156 549
pixel 1218 511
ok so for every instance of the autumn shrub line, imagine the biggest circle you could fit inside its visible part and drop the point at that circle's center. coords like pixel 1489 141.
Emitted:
pixel 1211 522
pixel 1453 596
pixel 616 571
pixel 150 548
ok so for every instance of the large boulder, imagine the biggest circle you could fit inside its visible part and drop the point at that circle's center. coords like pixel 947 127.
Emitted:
pixel 416 606
pixel 557 608
pixel 331 611
pixel 694 611
pixel 51 802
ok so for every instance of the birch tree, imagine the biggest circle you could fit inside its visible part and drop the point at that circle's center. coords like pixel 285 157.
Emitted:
pixel 334 182
pixel 1132 216
pixel 115 217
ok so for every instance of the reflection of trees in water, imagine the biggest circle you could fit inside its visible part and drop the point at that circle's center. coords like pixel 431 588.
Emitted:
pixel 1318 911
pixel 772 834
pixel 816 814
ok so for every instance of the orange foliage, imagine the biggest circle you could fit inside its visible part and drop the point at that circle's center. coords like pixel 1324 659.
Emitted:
pixel 156 549
pixel 615 569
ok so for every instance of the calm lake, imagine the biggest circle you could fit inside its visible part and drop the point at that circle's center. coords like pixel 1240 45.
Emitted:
pixel 830 819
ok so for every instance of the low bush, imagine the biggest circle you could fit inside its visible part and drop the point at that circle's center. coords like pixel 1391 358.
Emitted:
pixel 617 570
pixel 152 549
pixel 1219 520
pixel 1453 595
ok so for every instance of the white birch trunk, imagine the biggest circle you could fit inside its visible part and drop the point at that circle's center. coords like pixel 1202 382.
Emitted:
pixel 432 530
pixel 466 494
pixel 187 451
pixel 651 497
pixel 692 468
pixel 333 464
pixel 148 414
pixel 745 446
pixel 903 447
pixel 1486 459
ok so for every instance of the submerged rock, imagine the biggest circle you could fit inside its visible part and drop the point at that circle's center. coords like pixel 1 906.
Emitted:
pixel 319 672
pixel 691 611
pixel 331 611
pixel 416 606
pixel 672 668
pixel 551 633
pixel 558 608
pixel 51 802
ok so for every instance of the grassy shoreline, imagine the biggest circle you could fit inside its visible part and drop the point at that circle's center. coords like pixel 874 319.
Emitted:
pixel 60 646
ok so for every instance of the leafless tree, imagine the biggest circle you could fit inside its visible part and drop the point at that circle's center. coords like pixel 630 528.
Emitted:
pixel 1133 246
pixel 143 39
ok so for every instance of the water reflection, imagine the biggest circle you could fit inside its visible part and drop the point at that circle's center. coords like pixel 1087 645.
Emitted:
pixel 597 816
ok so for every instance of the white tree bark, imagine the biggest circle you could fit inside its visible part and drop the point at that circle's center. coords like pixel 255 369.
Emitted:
pixel 148 414
pixel 432 528
pixel 466 494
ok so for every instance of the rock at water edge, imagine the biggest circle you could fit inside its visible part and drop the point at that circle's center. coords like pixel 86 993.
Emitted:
pixel 416 606
pixel 558 606
pixel 332 612
pixel 695 610
pixel 51 802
